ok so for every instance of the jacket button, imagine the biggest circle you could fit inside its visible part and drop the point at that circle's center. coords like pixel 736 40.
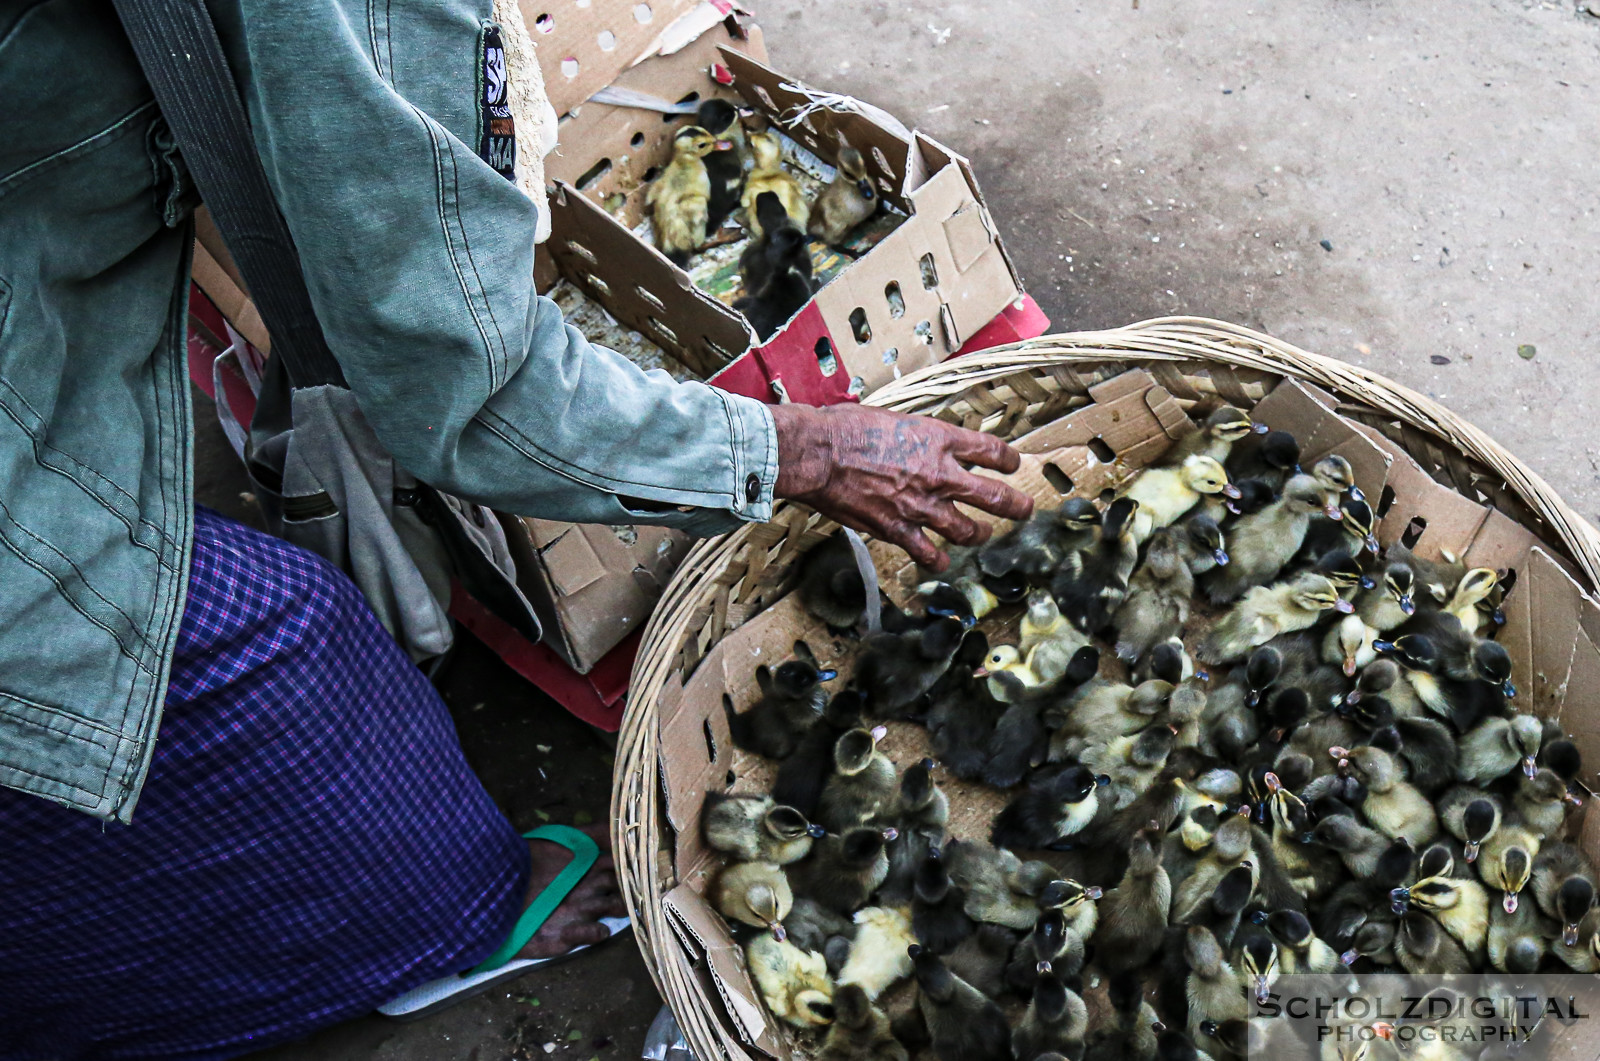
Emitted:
pixel 752 488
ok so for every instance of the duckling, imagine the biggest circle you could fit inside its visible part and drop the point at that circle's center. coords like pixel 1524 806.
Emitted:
pixel 978 594
pixel 1090 590
pixel 1131 763
pixel 847 201
pixel 1261 544
pixel 860 1030
pixel 1049 941
pixel 1212 987
pixel 1507 861
pixel 938 907
pixel 792 698
pixel 680 197
pixel 1519 940
pixel 1460 906
pixel 1050 659
pixel 1265 612
pixel 1390 603
pixel 1020 740
pixel 1157 604
pixel 1231 845
pixel 1165 494
pixel 1497 746
pixel 1422 946
pixel 830 584
pixel 1334 474
pixel 724 165
pixel 1393 806
pixel 1258 960
pixel 990 878
pixel 920 814
pixel 1056 1019
pixel 1270 457
pixel 776 268
pixel 961 719
pixel 756 829
pixel 1168 661
pixel 1561 755
pixel 1353 532
pixel 1436 578
pixel 962 1023
pixel 877 958
pixel 1471 816
pixel 863 781
pixel 1583 956
pixel 1100 710
pixel 1229 725
pixel 1540 802
pixel 1056 805
pixel 844 870
pixel 1215 437
pixel 1133 915
pixel 793 982
pixel 1359 847
pixel 1312 871
pixel 1373 940
pixel 1038 545
pixel 754 893
pixel 1209 548
pixel 1564 886
pixel 768 175
pixel 1304 952
pixel 802 776
pixel 1131 1033
pixel 1475 587
pixel 1427 748
pixel 1043 621
pixel 895 670
pixel 1348 645
pixel 816 928
pixel 980 959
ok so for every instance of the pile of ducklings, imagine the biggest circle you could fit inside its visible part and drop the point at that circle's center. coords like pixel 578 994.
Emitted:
pixel 718 168
pixel 1337 778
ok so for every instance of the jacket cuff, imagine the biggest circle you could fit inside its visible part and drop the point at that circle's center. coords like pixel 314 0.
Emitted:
pixel 755 457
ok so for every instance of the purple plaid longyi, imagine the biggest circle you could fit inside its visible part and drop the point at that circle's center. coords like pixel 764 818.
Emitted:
pixel 310 841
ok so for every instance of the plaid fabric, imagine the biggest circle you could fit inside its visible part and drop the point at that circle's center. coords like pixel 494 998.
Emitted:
pixel 310 841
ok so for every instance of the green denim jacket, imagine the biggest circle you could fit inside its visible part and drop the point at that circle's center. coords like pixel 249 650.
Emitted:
pixel 419 257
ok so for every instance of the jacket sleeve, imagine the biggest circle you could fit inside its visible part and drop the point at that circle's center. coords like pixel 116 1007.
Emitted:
pixel 419 258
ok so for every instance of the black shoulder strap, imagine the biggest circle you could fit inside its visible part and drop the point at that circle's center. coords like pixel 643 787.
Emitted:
pixel 178 48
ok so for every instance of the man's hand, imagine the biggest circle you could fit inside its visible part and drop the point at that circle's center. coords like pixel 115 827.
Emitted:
pixel 892 475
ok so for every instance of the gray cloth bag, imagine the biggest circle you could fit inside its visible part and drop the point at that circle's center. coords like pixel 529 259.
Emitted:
pixel 323 480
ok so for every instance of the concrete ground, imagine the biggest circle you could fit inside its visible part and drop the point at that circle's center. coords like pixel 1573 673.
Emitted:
pixel 1145 157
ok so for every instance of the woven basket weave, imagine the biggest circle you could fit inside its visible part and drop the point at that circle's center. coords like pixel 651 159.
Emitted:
pixel 1008 391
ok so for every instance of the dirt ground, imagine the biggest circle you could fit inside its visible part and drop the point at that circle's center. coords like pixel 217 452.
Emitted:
pixel 1387 183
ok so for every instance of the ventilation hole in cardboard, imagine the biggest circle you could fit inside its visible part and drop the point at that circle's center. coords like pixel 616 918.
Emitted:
pixel 1058 479
pixel 599 284
pixel 662 330
pixel 594 173
pixel 711 739
pixel 1102 452
pixel 1107 496
pixel 580 250
pixel 766 98
pixel 545 23
pixel 642 14
pixel 883 162
pixel 857 388
pixel 651 174
pixel 731 778
pixel 637 140
pixel 1385 502
pixel 646 294
pixel 891 355
pixel 607 41
pixel 924 330
pixel 1413 531
pixel 859 326
pixel 569 67
pixel 896 300
pixel 930 272
pixel 827 361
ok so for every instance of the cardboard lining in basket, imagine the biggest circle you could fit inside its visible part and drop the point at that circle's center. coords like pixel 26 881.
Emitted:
pixel 1138 419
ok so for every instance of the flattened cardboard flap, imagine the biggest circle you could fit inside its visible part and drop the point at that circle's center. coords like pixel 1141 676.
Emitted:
pixel 967 232
pixel 1130 423
pixel 693 916
pixel 572 562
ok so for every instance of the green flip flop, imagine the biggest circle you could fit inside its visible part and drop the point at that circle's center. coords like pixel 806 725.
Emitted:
pixel 503 964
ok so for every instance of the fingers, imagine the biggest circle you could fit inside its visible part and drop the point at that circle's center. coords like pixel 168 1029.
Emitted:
pixel 951 523
pixel 916 544
pixel 986 451
pixel 991 495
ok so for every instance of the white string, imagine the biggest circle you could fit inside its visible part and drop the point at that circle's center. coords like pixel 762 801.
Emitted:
pixel 818 100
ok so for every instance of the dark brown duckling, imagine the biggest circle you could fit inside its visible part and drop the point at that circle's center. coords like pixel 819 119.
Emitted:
pixel 791 701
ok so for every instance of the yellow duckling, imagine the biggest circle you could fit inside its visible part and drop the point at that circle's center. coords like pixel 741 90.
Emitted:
pixel 768 176
pixel 794 982
pixel 1267 611
pixel 1164 494
pixel 754 893
pixel 845 203
pixel 680 198
pixel 1475 587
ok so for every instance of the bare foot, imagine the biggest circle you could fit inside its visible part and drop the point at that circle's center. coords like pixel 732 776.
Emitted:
pixel 576 921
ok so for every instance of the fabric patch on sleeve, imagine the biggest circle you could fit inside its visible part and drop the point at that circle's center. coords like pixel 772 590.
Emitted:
pixel 497 137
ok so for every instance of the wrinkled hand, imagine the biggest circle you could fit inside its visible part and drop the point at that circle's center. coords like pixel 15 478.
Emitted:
pixel 892 475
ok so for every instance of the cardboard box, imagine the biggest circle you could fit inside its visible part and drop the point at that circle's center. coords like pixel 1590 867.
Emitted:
pixel 1131 421
pixel 920 295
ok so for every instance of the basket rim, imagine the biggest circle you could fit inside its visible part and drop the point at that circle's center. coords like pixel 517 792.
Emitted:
pixel 636 792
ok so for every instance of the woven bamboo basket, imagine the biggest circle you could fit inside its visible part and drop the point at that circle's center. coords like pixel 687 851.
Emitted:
pixel 1009 391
